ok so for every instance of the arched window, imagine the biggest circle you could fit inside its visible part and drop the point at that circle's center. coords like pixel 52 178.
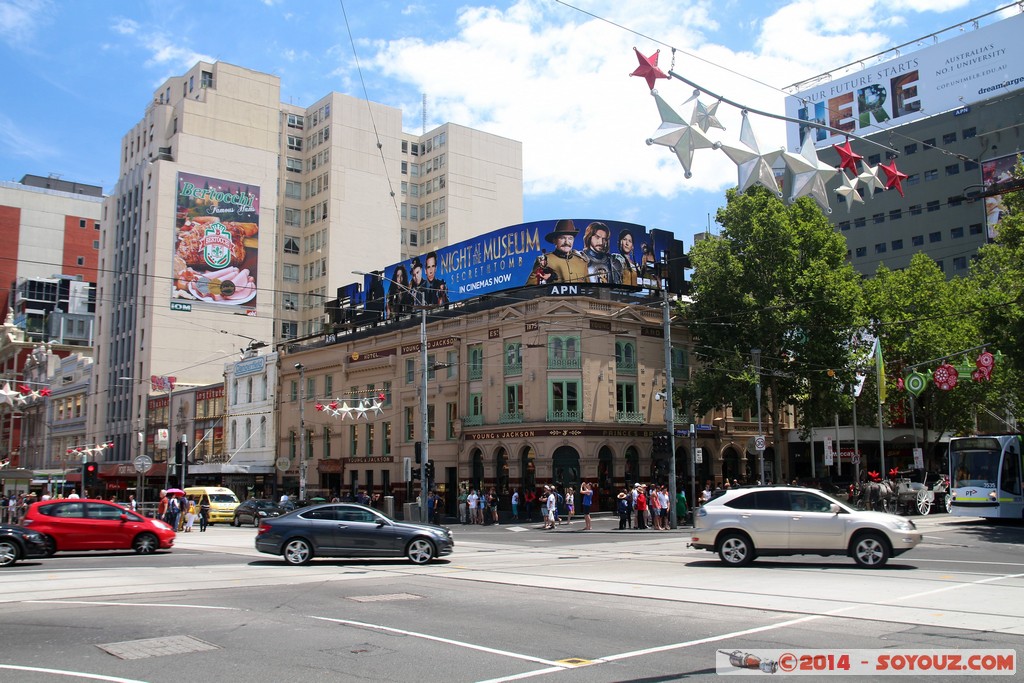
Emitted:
pixel 234 435
pixel 248 432
pixel 263 432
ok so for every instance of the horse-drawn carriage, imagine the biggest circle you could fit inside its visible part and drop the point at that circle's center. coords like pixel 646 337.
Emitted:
pixel 899 494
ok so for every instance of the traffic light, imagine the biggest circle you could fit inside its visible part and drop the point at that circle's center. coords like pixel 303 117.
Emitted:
pixel 91 474
pixel 430 470
pixel 419 452
pixel 181 457
pixel 660 443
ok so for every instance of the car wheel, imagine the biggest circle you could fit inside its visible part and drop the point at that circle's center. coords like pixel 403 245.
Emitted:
pixel 419 551
pixel 870 551
pixel 9 553
pixel 256 522
pixel 235 521
pixel 736 550
pixel 49 546
pixel 144 544
pixel 297 551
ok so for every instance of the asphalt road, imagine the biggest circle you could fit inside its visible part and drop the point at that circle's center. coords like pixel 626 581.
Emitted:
pixel 512 602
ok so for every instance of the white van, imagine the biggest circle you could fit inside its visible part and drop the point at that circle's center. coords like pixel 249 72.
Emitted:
pixel 222 501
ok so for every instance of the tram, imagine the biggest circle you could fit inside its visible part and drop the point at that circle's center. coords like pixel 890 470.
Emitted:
pixel 985 476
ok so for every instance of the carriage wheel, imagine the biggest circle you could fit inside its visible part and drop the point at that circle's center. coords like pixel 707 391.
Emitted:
pixel 924 501
pixel 949 502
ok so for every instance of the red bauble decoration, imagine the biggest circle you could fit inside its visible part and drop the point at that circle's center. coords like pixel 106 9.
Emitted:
pixel 945 377
pixel 648 68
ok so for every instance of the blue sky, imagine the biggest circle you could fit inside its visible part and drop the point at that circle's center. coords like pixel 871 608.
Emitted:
pixel 79 73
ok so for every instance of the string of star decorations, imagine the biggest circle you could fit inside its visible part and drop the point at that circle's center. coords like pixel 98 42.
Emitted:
pixel 807 173
pixel 20 396
pixel 358 409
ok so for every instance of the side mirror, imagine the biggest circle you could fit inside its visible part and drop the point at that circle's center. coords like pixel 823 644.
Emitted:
pixel 834 509
pixel 124 517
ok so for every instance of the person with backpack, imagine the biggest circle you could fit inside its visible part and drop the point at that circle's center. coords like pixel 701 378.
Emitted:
pixel 204 512
pixel 173 511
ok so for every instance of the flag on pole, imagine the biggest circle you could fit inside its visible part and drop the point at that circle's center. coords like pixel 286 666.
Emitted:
pixel 880 368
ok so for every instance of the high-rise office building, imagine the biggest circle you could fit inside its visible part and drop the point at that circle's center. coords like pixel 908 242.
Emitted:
pixel 945 110
pixel 237 216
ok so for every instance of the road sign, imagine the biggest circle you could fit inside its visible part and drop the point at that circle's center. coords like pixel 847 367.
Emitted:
pixel 919 458
pixel 698 455
pixel 828 450
pixel 284 463
pixel 855 458
pixel 758 443
pixel 143 464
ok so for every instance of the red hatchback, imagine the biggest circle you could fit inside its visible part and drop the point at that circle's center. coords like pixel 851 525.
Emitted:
pixel 68 525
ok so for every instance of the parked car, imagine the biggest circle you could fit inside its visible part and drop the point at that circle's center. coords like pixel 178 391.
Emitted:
pixel 254 510
pixel 349 530
pixel 743 524
pixel 18 543
pixel 68 525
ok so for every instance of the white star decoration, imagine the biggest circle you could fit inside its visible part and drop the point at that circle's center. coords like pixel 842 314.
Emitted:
pixel 753 167
pixel 848 188
pixel 705 116
pixel 683 138
pixel 869 178
pixel 809 174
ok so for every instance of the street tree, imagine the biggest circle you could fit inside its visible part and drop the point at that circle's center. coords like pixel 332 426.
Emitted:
pixel 776 279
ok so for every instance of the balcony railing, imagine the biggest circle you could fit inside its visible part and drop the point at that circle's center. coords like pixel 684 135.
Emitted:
pixel 625 367
pixel 473 420
pixel 629 417
pixel 476 372
pixel 560 363
pixel 511 418
pixel 565 416
pixel 513 369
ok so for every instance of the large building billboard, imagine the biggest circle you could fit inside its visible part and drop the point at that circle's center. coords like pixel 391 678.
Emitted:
pixel 216 242
pixel 975 66
pixel 529 254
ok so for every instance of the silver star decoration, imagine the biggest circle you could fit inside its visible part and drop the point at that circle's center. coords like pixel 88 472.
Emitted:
pixel 345 411
pixel 809 174
pixel 681 137
pixel 752 167
pixel 377 407
pixel 848 189
pixel 7 395
pixel 705 116
pixel 869 178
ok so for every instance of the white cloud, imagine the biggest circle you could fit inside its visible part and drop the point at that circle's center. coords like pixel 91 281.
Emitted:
pixel 17 143
pixel 166 51
pixel 125 27
pixel 20 20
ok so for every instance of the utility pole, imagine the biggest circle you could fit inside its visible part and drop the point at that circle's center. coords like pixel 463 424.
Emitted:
pixel 302 430
pixel 670 412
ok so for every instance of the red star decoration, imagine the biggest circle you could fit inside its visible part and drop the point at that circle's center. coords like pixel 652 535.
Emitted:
pixel 25 389
pixel 648 68
pixel 45 392
pixel 847 157
pixel 333 405
pixel 381 396
pixel 894 177
pixel 319 408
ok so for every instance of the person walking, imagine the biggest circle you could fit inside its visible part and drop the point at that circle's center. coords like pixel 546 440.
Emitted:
pixel 641 509
pixel 530 497
pixel 587 499
pixel 204 512
pixel 551 505
pixel 463 502
pixel 515 504
pixel 492 503
pixel 570 504
pixel 190 513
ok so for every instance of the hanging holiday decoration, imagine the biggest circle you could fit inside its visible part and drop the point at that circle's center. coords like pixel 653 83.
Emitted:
pixel 848 189
pixel 683 138
pixel 915 383
pixel 91 450
pixel 847 157
pixel 808 173
pixel 359 409
pixel 945 377
pixel 753 167
pixel 648 68
pixel 895 177
pixel 985 362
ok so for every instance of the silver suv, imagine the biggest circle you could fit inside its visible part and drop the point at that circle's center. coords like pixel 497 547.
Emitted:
pixel 746 523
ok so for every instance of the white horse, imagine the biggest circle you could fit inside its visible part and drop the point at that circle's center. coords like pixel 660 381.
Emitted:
pixel 876 495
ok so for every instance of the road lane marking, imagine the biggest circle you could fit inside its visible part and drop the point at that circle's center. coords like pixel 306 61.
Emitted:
pixel 127 604
pixel 76 674
pixel 448 641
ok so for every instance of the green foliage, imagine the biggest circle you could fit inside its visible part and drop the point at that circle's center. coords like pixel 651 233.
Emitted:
pixel 777 279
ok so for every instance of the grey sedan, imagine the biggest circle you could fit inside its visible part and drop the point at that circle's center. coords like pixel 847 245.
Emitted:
pixel 349 530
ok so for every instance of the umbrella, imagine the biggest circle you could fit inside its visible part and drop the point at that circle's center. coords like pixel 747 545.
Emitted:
pixel 174 491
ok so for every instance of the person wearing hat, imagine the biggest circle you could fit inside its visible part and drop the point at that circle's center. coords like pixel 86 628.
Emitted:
pixel 551 505
pixel 568 264
pixel 622 507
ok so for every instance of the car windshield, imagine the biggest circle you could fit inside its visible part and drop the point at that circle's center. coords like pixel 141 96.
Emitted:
pixel 222 498
pixel 264 503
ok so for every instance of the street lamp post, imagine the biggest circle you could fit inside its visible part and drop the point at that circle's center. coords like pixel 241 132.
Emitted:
pixel 755 356
pixel 670 425
pixel 424 388
pixel 302 430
